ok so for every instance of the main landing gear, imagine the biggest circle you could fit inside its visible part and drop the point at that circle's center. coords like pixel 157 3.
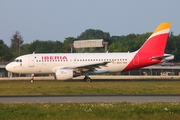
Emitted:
pixel 87 79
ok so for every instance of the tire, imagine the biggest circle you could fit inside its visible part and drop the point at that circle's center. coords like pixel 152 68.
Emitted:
pixel 88 79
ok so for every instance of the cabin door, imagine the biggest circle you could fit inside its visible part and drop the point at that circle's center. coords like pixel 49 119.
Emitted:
pixel 31 61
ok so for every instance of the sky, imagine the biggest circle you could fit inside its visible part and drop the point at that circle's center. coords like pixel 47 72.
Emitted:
pixel 59 19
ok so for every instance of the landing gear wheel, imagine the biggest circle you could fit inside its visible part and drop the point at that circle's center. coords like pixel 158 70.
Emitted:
pixel 32 81
pixel 87 79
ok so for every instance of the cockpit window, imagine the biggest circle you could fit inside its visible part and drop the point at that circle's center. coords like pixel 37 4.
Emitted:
pixel 17 60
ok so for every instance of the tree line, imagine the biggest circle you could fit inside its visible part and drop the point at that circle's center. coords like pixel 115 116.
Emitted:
pixel 123 43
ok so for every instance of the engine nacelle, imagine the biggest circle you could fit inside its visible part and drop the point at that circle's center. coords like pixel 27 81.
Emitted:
pixel 63 74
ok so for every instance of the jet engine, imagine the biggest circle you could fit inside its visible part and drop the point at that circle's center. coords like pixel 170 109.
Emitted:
pixel 65 74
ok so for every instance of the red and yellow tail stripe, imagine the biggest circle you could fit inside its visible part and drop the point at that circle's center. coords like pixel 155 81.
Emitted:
pixel 163 28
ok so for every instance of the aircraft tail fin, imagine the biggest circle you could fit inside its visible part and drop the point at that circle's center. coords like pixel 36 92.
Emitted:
pixel 156 43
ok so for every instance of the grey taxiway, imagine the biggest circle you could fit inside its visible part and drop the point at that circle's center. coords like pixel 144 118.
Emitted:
pixel 89 98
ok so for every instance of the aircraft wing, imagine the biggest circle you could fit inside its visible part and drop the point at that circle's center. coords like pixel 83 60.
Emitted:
pixel 82 68
pixel 89 67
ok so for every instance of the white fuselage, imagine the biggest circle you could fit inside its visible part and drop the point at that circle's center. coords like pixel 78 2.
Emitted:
pixel 48 63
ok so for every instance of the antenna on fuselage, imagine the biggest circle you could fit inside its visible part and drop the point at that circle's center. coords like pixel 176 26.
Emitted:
pixel 33 52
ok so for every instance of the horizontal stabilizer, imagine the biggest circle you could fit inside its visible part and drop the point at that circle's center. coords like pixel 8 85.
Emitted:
pixel 164 58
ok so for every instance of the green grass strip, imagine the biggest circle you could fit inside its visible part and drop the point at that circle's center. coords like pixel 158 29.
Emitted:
pixel 89 111
pixel 70 88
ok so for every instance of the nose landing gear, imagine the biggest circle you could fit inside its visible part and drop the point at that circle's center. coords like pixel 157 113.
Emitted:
pixel 32 78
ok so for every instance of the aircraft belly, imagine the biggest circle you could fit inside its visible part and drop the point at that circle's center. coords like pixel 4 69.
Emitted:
pixel 35 70
pixel 19 69
pixel 42 70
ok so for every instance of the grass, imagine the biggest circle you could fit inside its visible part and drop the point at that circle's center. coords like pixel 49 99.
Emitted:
pixel 89 111
pixel 63 88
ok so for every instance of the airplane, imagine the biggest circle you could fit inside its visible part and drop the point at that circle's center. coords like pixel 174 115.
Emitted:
pixel 66 66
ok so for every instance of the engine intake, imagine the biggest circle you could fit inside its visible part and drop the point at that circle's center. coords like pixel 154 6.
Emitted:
pixel 65 74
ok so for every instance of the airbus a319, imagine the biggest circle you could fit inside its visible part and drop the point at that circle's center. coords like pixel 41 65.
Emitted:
pixel 65 66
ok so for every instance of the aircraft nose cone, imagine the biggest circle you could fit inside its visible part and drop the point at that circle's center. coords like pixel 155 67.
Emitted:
pixel 8 67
